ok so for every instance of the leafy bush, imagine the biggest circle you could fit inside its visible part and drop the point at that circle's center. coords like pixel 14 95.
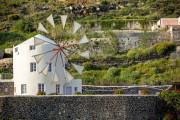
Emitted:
pixel 118 91
pixel 164 48
pixel 23 26
pixel 78 93
pixel 172 100
pixel 90 66
pixel 13 17
pixel 41 93
pixel 54 94
pixel 8 39
pixel 145 91
pixel 158 50
pixel 112 73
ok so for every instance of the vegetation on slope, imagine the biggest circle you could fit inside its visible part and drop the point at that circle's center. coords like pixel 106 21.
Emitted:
pixel 152 72
pixel 19 20
pixel 172 108
pixel 137 66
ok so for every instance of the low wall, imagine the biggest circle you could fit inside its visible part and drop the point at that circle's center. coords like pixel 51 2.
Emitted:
pixel 81 108
pixel 152 90
pixel 6 87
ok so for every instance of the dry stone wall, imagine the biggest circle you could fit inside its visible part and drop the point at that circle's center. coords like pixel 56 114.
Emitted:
pixel 81 108
pixel 6 87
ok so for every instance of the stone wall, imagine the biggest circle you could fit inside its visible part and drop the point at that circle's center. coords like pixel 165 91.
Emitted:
pixel 81 108
pixel 88 89
pixel 6 87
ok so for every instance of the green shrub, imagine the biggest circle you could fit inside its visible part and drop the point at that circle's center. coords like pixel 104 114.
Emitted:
pixel 54 94
pixel 14 2
pixel 164 48
pixel 172 100
pixel 41 93
pixel 159 49
pixel 78 93
pixel 131 54
pixel 118 91
pixel 87 66
pixel 13 17
pixel 23 26
pixel 145 91
pixel 8 39
pixel 112 72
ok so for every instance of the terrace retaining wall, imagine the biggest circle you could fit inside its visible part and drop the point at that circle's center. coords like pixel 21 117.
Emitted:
pixel 81 108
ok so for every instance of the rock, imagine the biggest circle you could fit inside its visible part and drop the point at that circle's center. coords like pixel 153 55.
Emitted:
pixel 6 62
pixel 178 49
pixel 9 51
pixel 1 54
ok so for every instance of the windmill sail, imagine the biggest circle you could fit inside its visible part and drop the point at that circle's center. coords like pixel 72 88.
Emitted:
pixel 38 58
pixel 51 20
pixel 42 28
pixel 59 53
pixel 45 70
pixel 69 77
pixel 78 68
pixel 76 27
pixel 55 77
pixel 38 41
pixel 63 20
pixel 84 40
pixel 85 54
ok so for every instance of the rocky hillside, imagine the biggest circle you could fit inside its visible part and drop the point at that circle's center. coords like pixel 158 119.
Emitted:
pixel 144 65
pixel 20 17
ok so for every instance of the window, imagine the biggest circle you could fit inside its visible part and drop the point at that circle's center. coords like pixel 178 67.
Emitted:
pixel 75 89
pixel 23 88
pixel 16 49
pixel 57 88
pixel 32 67
pixel 40 87
pixel 32 47
pixel 50 67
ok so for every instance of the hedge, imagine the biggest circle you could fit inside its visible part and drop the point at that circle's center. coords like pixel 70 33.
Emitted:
pixel 158 50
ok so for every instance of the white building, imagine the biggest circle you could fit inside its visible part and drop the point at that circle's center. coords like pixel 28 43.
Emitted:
pixel 27 74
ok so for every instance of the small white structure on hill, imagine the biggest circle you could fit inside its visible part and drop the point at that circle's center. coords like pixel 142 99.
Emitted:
pixel 29 80
pixel 166 23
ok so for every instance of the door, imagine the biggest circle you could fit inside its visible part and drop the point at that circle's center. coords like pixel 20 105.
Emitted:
pixel 68 91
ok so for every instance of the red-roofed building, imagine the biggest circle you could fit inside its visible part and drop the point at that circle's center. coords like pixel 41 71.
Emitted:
pixel 167 22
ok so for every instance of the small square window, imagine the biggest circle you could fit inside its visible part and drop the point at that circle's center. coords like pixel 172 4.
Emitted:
pixel 16 49
pixel 32 47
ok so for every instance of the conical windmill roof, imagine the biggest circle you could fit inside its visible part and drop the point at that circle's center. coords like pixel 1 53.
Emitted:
pixel 44 38
pixel 38 36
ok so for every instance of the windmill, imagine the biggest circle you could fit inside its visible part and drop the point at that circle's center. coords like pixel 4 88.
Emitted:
pixel 61 50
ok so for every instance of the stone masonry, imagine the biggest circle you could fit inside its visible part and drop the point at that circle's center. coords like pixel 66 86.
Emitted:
pixel 6 87
pixel 81 108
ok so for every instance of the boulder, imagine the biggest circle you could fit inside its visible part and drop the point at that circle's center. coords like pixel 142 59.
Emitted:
pixel 6 62
pixel 9 51
pixel 1 54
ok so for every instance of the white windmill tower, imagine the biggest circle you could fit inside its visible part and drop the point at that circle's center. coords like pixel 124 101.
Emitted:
pixel 47 60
